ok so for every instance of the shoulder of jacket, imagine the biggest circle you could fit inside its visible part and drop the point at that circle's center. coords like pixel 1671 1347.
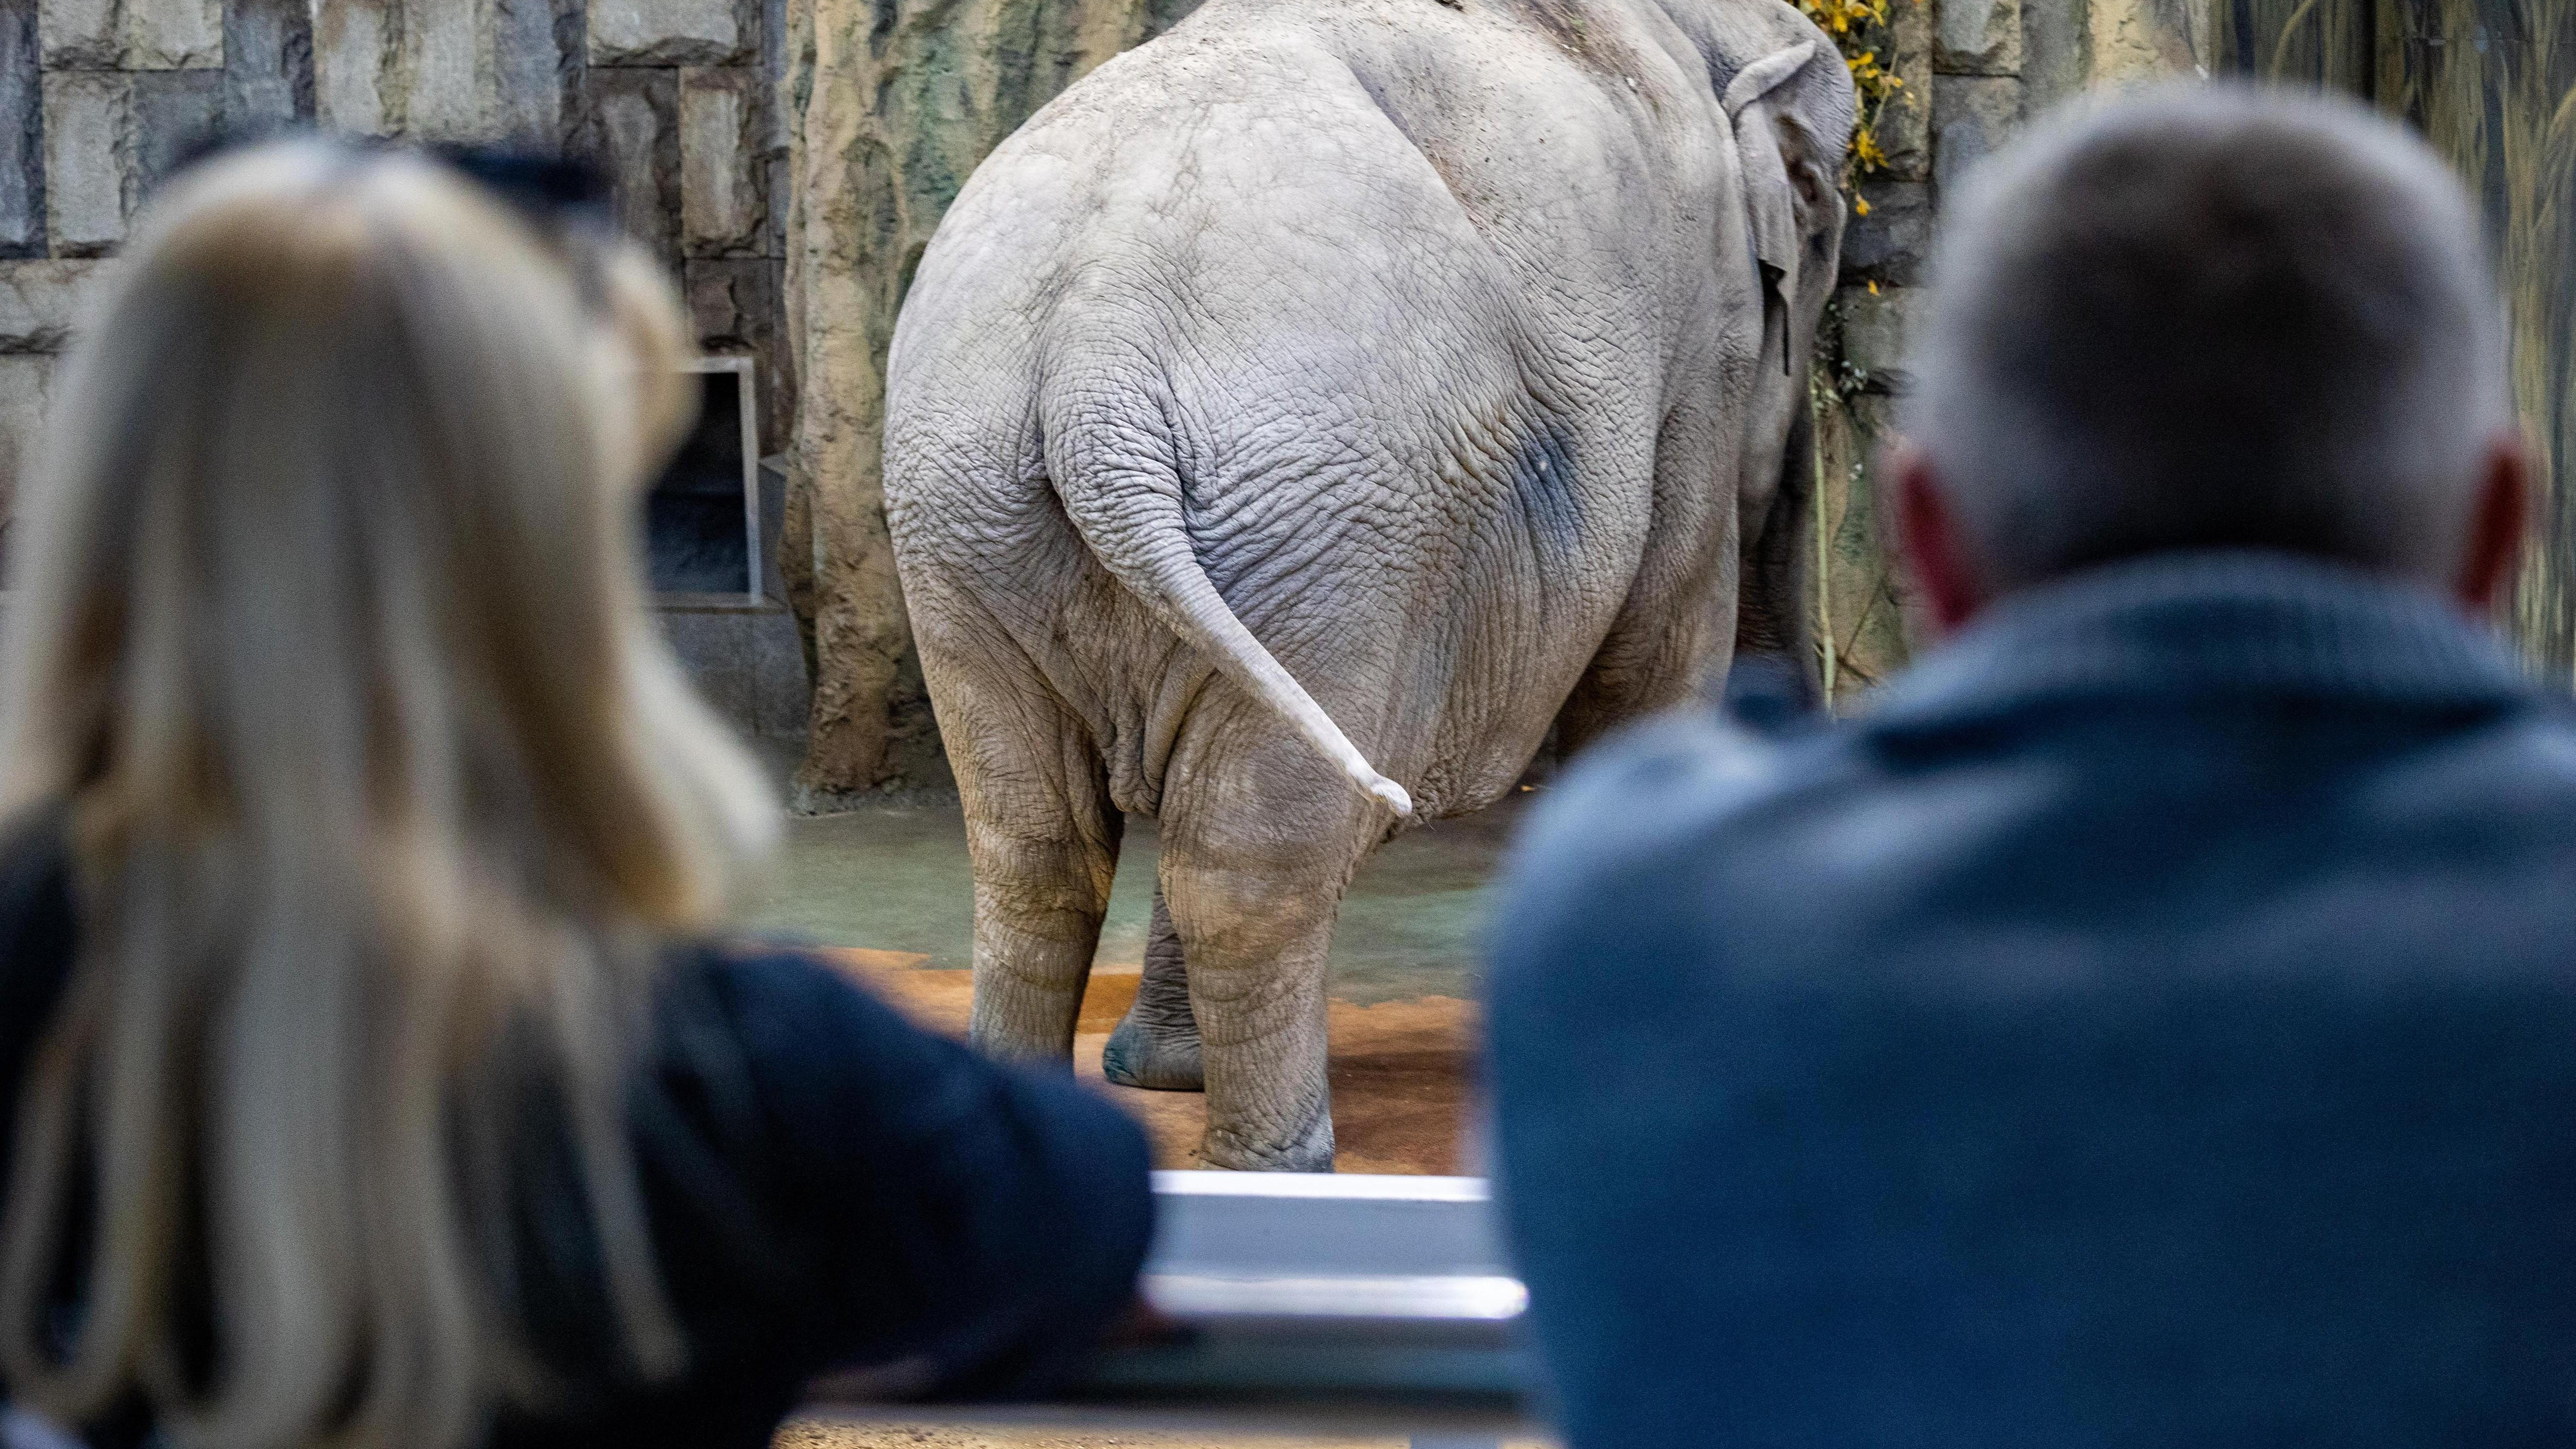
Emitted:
pixel 1683 773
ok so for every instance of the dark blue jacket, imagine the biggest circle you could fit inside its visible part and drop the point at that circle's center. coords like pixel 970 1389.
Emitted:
pixel 2153 1023
pixel 828 1187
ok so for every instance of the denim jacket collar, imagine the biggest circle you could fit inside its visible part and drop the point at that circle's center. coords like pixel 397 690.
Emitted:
pixel 2237 624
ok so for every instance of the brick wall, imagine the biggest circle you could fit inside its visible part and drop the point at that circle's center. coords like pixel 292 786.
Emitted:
pixel 100 98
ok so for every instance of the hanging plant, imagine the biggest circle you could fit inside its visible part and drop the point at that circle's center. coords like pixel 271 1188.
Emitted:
pixel 1861 31
pixel 1853 652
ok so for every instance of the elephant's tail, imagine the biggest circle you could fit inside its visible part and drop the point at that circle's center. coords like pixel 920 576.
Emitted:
pixel 1128 510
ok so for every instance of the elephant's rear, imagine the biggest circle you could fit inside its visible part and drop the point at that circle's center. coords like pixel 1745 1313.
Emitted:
pixel 1227 320
pixel 965 493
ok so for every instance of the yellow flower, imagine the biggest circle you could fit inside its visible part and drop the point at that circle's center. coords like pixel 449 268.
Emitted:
pixel 1851 22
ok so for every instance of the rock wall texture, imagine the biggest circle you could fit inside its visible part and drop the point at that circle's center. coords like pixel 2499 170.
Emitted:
pixel 1974 73
pixel 99 99
pixel 891 103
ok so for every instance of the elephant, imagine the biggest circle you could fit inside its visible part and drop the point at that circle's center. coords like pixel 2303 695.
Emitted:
pixel 1304 419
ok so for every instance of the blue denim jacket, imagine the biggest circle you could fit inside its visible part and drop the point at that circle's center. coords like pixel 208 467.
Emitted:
pixel 2153 1023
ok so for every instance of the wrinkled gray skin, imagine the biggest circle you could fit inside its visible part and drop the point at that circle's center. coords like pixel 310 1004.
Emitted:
pixel 1299 418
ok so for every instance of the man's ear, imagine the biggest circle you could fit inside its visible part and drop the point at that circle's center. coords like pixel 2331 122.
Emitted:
pixel 2498 526
pixel 1934 545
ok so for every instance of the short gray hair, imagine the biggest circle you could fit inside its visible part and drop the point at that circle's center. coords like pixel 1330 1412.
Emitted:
pixel 2212 316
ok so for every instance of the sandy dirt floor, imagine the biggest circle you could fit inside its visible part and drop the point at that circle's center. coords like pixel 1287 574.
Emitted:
pixel 1400 1069
pixel 887 890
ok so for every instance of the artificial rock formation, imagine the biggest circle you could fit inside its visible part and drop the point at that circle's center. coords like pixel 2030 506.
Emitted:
pixel 891 103
pixel 1973 74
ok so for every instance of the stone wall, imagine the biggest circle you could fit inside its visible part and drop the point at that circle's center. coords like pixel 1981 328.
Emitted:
pixel 100 98
pixel 1976 72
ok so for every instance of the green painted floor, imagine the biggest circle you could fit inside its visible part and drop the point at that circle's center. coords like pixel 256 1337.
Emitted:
pixel 894 877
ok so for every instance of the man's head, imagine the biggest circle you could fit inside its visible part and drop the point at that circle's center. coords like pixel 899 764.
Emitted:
pixel 2213 317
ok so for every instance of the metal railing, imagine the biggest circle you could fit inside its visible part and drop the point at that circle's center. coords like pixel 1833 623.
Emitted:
pixel 1323 1304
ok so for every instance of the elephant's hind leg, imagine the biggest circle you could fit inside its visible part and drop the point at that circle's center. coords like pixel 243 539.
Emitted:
pixel 1039 901
pixel 1043 837
pixel 1156 1045
pixel 1257 986
pixel 1257 847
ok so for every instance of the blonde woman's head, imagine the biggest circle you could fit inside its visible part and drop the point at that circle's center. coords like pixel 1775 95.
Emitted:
pixel 329 646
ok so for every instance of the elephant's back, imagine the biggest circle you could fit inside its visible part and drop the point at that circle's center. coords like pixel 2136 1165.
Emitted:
pixel 1555 144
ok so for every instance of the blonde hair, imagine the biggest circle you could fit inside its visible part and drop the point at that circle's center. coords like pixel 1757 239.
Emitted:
pixel 382 792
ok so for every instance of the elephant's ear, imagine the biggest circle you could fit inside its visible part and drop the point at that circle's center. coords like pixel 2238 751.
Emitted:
pixel 1787 180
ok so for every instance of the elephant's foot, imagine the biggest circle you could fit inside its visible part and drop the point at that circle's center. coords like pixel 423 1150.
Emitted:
pixel 1020 1049
pixel 1156 1045
pixel 1156 1059
pixel 1310 1151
